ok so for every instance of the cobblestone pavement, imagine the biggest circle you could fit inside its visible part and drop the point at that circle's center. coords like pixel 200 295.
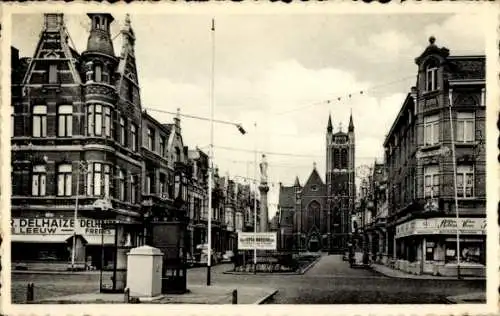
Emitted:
pixel 330 281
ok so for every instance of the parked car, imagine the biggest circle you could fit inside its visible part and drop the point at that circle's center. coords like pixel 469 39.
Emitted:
pixel 201 255
pixel 228 256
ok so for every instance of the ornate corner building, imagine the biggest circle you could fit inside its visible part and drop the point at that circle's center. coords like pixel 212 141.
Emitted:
pixel 76 122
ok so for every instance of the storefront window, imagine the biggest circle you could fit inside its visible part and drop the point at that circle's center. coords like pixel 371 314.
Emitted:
pixel 470 252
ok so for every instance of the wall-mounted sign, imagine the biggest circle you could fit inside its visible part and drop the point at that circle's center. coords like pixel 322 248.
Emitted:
pixel 442 226
pixel 443 152
pixel 261 241
pixel 58 226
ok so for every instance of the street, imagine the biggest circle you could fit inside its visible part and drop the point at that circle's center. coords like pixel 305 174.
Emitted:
pixel 330 281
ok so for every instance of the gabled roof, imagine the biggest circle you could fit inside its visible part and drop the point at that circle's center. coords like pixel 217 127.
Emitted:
pixel 314 178
pixel 287 197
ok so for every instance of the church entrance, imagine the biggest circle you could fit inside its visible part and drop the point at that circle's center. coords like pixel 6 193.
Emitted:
pixel 314 244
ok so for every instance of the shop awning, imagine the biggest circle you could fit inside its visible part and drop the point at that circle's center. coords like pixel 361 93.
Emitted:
pixel 97 240
pixel 49 239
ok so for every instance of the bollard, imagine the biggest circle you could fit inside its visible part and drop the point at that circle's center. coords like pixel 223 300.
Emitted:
pixel 235 297
pixel 126 296
pixel 30 295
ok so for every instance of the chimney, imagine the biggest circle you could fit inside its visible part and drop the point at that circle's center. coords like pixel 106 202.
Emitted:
pixel 177 121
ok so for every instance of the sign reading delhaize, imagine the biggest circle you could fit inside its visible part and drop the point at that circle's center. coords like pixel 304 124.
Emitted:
pixel 443 226
pixel 57 226
pixel 261 241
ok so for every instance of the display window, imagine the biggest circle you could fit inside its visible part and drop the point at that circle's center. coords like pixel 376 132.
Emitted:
pixel 470 252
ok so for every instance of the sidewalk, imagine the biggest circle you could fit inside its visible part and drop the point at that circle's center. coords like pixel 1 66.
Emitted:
pixel 198 294
pixel 403 275
pixel 471 298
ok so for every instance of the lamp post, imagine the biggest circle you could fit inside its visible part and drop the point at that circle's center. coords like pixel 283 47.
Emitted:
pixel 255 201
pixel 81 167
pixel 210 153
pixel 452 132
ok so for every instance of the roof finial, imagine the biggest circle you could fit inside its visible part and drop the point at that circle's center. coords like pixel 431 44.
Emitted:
pixel 127 20
pixel 314 164
pixel 432 40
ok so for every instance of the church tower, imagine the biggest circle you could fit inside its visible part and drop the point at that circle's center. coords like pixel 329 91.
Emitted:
pixel 340 152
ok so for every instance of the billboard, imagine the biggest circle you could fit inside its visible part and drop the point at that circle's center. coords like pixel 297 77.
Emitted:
pixel 260 241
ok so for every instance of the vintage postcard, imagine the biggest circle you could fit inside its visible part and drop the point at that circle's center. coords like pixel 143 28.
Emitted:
pixel 328 157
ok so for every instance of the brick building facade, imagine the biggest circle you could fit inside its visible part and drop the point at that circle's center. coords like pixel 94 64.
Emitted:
pixel 419 155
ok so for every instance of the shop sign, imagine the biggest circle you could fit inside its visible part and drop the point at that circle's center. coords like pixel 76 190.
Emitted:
pixel 58 226
pixel 443 226
pixel 443 152
pixel 261 241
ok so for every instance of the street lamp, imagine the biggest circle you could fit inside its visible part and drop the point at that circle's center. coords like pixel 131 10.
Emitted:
pixel 210 154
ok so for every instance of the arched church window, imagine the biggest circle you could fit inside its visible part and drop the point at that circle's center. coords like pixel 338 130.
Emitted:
pixel 343 159
pixel 336 159
pixel 314 214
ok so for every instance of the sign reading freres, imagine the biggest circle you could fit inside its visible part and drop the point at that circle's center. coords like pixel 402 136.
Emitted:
pixel 57 226
pixel 261 241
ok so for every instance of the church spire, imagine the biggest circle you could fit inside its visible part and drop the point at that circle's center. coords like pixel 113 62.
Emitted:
pixel 329 128
pixel 297 183
pixel 351 124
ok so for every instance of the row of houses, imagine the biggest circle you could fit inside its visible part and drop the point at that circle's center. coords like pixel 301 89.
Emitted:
pixel 411 211
pixel 83 145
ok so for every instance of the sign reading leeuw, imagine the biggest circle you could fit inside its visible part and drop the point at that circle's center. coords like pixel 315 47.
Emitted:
pixel 57 226
pixel 261 241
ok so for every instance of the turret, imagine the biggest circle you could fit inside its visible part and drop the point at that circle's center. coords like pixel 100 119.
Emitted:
pixel 100 38
pixel 329 127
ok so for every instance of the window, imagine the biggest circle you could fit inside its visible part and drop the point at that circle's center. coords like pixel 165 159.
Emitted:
pixel 53 73
pixel 39 179
pixel 123 139
pixel 97 178
pixel 151 138
pixel 431 181
pixel 39 121
pixel 64 180
pixel 121 185
pixel 163 187
pixel 98 119
pixel 98 73
pixel 431 130
pixel 130 91
pixel 177 154
pixel 483 97
pixel 465 127
pixel 431 77
pixel 314 187
pixel 106 180
pixel 147 185
pixel 107 122
pixel 133 132
pixel 343 159
pixel 336 159
pixel 133 189
pixel 465 181
pixel 65 121
pixel 162 146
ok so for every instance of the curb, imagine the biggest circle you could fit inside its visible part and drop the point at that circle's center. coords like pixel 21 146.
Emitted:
pixel 57 272
pixel 304 270
pixel 300 272
pixel 418 277
pixel 265 298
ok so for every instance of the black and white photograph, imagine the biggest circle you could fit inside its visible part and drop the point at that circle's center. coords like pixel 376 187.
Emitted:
pixel 227 158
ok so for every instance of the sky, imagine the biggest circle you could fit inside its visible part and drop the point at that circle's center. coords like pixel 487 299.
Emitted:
pixel 274 74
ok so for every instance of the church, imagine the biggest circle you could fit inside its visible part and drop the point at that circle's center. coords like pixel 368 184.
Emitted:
pixel 314 215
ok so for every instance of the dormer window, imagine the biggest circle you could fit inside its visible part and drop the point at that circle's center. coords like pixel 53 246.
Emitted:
pixel 431 76
pixel 97 73
pixel 52 73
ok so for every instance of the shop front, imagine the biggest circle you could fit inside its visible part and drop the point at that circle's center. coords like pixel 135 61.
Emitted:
pixel 429 246
pixel 46 243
